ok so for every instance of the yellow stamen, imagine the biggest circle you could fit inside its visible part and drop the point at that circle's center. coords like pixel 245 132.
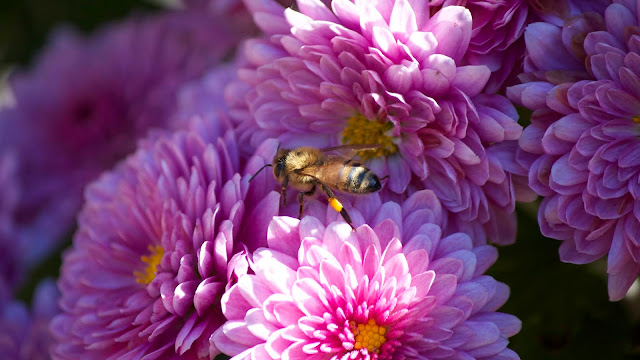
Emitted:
pixel 335 204
pixel 636 119
pixel 152 260
pixel 362 131
pixel 369 336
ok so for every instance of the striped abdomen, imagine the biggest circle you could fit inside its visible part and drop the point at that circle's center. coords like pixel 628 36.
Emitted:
pixel 357 179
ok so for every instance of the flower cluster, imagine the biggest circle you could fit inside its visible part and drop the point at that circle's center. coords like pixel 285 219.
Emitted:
pixel 582 148
pixel 197 148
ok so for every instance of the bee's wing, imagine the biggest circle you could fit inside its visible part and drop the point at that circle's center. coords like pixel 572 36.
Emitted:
pixel 349 151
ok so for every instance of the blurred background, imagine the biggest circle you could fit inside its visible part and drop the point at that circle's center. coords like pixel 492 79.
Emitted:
pixel 25 24
pixel 563 307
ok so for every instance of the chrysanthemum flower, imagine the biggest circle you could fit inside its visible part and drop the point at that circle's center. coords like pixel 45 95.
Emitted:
pixel 582 148
pixel 155 249
pixel 393 289
pixel 24 332
pixel 87 101
pixel 377 73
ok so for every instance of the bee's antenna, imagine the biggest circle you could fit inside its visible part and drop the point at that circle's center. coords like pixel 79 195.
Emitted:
pixel 258 172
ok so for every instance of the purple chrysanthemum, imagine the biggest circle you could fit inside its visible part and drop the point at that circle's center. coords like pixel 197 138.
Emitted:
pixel 24 333
pixel 155 249
pixel 393 289
pixel 582 148
pixel 378 73
pixel 87 101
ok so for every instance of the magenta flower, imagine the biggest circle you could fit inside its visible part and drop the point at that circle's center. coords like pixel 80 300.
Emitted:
pixel 24 332
pixel 376 74
pixel 155 249
pixel 394 289
pixel 87 101
pixel 582 147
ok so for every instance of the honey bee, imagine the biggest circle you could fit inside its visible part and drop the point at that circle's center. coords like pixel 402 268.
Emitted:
pixel 307 168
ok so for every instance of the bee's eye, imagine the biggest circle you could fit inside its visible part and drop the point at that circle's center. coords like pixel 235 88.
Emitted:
pixel 277 170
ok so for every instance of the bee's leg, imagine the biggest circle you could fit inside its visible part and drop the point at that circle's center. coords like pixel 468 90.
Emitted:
pixel 301 199
pixel 283 192
pixel 337 206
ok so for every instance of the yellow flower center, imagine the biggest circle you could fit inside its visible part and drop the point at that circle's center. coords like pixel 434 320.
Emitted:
pixel 152 260
pixel 368 336
pixel 636 119
pixel 362 131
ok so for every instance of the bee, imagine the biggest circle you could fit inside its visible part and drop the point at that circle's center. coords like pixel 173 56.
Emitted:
pixel 307 168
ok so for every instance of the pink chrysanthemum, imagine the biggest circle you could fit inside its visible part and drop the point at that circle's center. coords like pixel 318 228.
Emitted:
pixel 379 73
pixel 87 101
pixel 24 332
pixel 394 289
pixel 154 250
pixel 582 148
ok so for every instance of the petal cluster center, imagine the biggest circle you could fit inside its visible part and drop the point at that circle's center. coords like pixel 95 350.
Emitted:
pixel 152 260
pixel 362 131
pixel 368 336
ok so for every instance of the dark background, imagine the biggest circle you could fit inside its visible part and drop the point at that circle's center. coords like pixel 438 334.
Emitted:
pixel 563 307
pixel 25 24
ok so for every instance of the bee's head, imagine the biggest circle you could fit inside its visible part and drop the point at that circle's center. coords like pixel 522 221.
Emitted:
pixel 279 162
